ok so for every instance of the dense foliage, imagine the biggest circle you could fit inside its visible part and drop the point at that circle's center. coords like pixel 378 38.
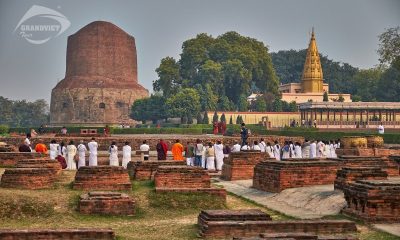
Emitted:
pixel 22 113
pixel 223 70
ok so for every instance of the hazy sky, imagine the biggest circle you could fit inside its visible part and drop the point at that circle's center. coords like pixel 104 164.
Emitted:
pixel 346 31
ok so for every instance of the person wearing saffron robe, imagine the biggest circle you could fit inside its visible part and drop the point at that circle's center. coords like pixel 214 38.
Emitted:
pixel 53 149
pixel 92 145
pixel 126 155
pixel 71 152
pixel 210 157
pixel 219 155
pixel 113 150
pixel 177 150
pixel 41 148
pixel 81 154
pixel 162 149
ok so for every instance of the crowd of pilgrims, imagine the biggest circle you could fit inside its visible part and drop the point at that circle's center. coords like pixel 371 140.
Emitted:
pixel 206 155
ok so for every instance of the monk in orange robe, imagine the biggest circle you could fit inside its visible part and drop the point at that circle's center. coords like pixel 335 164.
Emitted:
pixel 177 150
pixel 40 147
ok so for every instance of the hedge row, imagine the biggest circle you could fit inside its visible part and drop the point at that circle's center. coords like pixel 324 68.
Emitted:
pixel 157 131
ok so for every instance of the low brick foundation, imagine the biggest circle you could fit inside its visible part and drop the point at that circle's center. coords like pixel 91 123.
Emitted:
pixel 40 163
pixel 28 178
pixel 232 215
pixel 275 176
pixel 350 174
pixel 102 178
pixel 367 152
pixel 8 159
pixel 108 203
pixel 186 179
pixel 58 234
pixel 250 228
pixel 386 164
pixel 295 236
pixel 181 177
pixel 373 200
pixel 145 170
pixel 240 165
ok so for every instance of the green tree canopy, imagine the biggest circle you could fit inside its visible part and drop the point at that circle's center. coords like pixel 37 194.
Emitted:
pixel 168 77
pixel 149 109
pixel 184 104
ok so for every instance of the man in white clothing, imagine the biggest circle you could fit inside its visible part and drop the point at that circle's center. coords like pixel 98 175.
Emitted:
pixel 81 153
pixel 236 147
pixel 92 145
pixel 277 151
pixel 262 145
pixel 381 129
pixel 126 155
pixel 313 149
pixel 146 148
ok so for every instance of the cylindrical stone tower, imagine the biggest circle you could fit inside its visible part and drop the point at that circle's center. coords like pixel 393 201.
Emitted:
pixel 101 82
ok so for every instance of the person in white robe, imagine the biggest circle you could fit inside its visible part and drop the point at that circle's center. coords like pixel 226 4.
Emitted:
pixel 219 155
pixel 53 149
pixel 262 145
pixel 236 147
pixel 291 149
pixel 326 150
pixel 71 152
pixel 204 157
pixel 297 150
pixel 335 146
pixel 277 151
pixel 319 148
pixel 255 146
pixel 305 149
pixel 27 141
pixel 313 149
pixel 245 147
pixel 113 150
pixel 82 154
pixel 145 148
pixel 270 150
pixel 93 145
pixel 126 155
pixel 210 156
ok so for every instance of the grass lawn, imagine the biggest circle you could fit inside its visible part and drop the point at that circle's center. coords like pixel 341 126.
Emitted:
pixel 167 216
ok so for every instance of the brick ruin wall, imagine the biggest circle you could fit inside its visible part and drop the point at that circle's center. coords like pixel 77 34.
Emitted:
pixel 240 165
pixel 59 234
pixel 102 178
pixel 106 203
pixel 145 170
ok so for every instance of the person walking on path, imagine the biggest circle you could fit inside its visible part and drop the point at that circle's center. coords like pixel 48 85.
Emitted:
pixel 126 155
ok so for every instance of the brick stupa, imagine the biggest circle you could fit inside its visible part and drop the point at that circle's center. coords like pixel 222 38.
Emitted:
pixel 101 81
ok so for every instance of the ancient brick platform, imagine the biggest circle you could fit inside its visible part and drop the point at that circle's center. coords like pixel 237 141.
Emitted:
pixel 350 174
pixel 386 164
pixel 232 215
pixel 373 200
pixel 58 234
pixel 108 203
pixel 102 178
pixel 145 170
pixel 28 178
pixel 40 163
pixel 251 228
pixel 275 176
pixel 240 165
pixel 11 158
pixel 177 178
pixel 295 236
pixel 367 152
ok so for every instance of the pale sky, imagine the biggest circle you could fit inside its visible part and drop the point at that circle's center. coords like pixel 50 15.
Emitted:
pixel 346 31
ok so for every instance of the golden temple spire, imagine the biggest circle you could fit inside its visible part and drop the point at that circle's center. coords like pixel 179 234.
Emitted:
pixel 312 78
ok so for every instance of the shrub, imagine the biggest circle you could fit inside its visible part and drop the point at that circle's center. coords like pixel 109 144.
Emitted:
pixel 3 129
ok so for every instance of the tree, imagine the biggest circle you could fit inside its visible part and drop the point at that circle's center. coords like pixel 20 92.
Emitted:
pixel 149 109
pixel 366 83
pixel 168 77
pixel 261 105
pixel 238 119
pixel 199 118
pixel 277 105
pixel 341 98
pixel 205 118
pixel 224 104
pixel 243 105
pixel 215 117
pixel 390 85
pixel 389 47
pixel 223 118
pixel 292 107
pixel 208 98
pixel 325 97
pixel 230 120
pixel 184 104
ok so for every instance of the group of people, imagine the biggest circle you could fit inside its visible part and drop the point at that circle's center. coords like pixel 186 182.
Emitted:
pixel 290 149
